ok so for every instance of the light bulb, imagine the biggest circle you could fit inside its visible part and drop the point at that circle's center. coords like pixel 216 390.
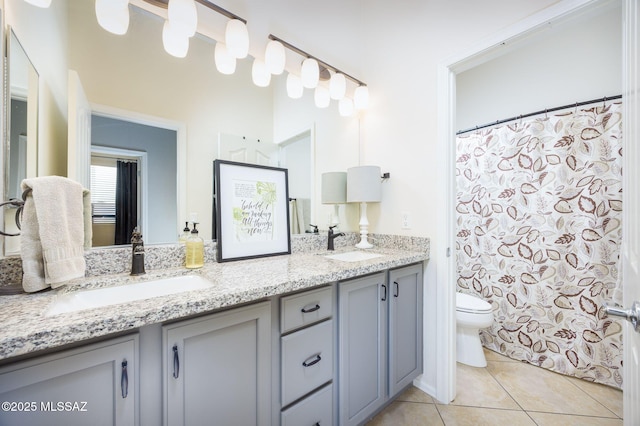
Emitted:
pixel 183 16
pixel 321 97
pixel 274 57
pixel 40 3
pixel 294 86
pixel 361 97
pixel 237 38
pixel 310 73
pixel 113 15
pixel 260 74
pixel 225 63
pixel 175 42
pixel 345 107
pixel 337 86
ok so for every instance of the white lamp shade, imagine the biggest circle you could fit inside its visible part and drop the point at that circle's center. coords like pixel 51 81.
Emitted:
pixel 294 86
pixel 334 188
pixel 112 15
pixel 175 42
pixel 260 74
pixel 225 63
pixel 321 97
pixel 183 16
pixel 275 57
pixel 40 3
pixel 364 184
pixel 310 73
pixel 345 107
pixel 237 38
pixel 361 97
pixel 337 86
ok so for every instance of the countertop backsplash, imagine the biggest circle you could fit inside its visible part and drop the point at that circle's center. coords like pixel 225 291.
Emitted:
pixel 116 260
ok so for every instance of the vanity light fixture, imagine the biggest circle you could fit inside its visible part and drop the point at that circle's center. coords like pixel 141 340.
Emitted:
pixel 345 107
pixel 225 63
pixel 312 67
pixel 361 97
pixel 260 74
pixel 364 185
pixel 294 86
pixel 174 40
pixel 321 96
pixel 338 86
pixel 237 38
pixel 112 15
pixel 183 16
pixel 310 73
pixel 275 57
pixel 184 21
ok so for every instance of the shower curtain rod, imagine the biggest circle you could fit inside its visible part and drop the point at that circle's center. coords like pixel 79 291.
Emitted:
pixel 506 120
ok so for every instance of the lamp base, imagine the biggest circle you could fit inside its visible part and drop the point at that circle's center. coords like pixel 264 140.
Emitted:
pixel 364 228
pixel 364 244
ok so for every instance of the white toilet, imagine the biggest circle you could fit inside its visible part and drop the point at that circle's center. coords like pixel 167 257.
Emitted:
pixel 472 314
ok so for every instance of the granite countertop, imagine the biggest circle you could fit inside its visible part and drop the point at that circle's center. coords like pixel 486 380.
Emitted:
pixel 25 329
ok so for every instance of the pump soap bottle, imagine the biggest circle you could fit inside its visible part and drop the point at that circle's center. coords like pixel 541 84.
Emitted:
pixel 186 233
pixel 194 250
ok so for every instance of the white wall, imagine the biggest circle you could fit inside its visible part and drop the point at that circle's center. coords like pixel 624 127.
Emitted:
pixel 32 25
pixel 578 61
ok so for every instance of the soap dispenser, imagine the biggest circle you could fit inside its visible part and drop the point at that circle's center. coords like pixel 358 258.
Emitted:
pixel 194 249
pixel 186 233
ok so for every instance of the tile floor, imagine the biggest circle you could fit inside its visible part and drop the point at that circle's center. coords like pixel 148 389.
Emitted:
pixel 509 392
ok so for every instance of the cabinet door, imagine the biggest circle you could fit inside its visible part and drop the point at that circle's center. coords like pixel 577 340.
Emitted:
pixel 217 369
pixel 362 347
pixel 405 327
pixel 94 384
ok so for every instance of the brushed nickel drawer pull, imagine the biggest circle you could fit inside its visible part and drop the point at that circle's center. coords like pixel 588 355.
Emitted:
pixel 312 361
pixel 306 310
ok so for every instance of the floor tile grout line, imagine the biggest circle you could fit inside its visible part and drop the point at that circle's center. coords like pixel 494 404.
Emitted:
pixel 563 377
pixel 589 395
pixel 505 389
pixel 573 415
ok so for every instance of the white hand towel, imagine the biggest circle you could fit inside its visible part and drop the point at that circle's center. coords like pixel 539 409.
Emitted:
pixel 56 228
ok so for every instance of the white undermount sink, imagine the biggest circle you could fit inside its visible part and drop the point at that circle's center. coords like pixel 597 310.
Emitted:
pixel 353 256
pixel 95 298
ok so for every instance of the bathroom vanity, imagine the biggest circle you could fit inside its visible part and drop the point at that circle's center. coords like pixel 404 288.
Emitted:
pixel 294 339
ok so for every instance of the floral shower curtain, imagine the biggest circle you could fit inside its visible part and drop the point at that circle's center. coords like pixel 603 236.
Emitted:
pixel 538 236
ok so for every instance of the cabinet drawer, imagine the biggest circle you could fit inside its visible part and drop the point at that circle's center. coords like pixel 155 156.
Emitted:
pixel 307 360
pixel 316 409
pixel 305 308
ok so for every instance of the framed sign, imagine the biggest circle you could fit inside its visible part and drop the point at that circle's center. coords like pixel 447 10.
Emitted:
pixel 251 210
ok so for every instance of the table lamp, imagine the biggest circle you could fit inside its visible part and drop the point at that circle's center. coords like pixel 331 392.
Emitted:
pixel 364 185
pixel 334 191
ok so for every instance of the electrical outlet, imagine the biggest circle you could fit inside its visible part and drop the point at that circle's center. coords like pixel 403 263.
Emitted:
pixel 406 220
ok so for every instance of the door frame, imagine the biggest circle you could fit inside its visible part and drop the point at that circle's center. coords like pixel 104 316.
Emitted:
pixel 181 146
pixel 443 303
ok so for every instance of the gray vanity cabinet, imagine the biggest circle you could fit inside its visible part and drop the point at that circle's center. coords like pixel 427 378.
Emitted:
pixel 380 343
pixel 93 384
pixel 405 327
pixel 362 358
pixel 217 368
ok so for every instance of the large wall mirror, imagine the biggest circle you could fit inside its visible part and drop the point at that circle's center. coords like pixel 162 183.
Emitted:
pixel 133 76
pixel 21 149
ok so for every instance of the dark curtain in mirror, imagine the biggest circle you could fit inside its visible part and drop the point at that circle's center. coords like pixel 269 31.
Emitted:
pixel 126 201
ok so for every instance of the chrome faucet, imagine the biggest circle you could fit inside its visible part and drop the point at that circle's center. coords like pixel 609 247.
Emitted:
pixel 332 237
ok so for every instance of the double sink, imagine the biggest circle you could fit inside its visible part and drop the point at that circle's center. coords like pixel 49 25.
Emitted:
pixel 95 298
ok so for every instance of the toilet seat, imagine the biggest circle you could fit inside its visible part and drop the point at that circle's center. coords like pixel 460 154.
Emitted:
pixel 471 304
